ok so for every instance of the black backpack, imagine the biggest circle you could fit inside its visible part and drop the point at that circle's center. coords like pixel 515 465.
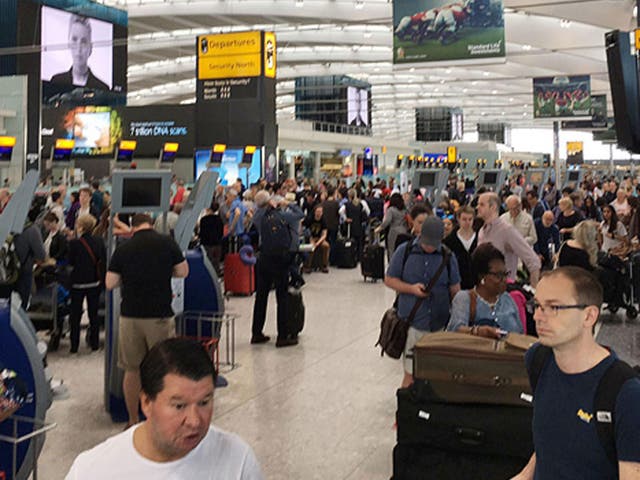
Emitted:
pixel 605 398
pixel 275 233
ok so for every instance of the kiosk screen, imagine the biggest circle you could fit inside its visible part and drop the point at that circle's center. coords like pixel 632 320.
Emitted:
pixel 141 192
pixel 427 179
pixel 573 176
pixel 490 178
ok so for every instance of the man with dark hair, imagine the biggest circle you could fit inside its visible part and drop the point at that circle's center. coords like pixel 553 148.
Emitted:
pixel 568 370
pixel 143 267
pixel 177 439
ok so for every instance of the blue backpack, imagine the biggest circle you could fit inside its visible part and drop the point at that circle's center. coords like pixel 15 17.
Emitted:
pixel 275 233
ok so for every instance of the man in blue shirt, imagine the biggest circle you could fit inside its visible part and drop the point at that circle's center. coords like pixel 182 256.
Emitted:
pixel 409 279
pixel 237 211
pixel 565 421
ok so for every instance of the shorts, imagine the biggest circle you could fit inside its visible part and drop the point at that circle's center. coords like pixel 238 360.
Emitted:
pixel 136 336
pixel 413 335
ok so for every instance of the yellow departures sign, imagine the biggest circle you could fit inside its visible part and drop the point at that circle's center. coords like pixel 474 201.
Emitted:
pixel 236 55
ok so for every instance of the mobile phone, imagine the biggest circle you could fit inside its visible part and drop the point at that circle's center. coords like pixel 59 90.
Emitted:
pixel 503 333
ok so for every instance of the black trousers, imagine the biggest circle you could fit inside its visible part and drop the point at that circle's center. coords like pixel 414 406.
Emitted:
pixel 93 299
pixel 271 270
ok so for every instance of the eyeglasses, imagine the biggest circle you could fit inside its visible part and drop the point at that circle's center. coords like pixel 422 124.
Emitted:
pixel 501 275
pixel 552 310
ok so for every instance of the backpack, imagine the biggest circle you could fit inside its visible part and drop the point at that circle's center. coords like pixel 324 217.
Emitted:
pixel 9 262
pixel 528 307
pixel 275 233
pixel 605 398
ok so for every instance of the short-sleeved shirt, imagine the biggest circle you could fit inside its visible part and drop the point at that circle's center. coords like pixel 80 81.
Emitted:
pixel 421 267
pixel 504 315
pixel 566 441
pixel 316 227
pixel 237 204
pixel 145 264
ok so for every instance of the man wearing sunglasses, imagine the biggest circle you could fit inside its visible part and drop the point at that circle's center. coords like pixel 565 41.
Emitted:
pixel 568 421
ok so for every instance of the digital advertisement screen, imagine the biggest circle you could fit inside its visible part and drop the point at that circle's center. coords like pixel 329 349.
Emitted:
pixel 229 169
pixel 490 178
pixel 141 192
pixel 5 153
pixel 562 96
pixel 154 125
pixel 201 158
pixel 357 106
pixel 78 54
pixel 96 130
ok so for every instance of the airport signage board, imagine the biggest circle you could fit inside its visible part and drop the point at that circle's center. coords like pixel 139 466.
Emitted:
pixel 229 64
pixel 562 96
pixel 445 31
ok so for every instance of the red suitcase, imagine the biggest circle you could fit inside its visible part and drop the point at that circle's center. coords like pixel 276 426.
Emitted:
pixel 239 279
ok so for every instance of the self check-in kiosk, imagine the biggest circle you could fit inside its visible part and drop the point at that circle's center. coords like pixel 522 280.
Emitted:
pixel 20 353
pixel 432 182
pixel 491 179
pixel 537 177
pixel 147 191
pixel 573 177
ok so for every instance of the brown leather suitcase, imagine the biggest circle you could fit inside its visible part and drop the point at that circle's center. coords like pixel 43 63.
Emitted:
pixel 462 368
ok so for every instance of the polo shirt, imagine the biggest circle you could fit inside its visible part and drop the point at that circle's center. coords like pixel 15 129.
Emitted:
pixel 421 267
pixel 145 265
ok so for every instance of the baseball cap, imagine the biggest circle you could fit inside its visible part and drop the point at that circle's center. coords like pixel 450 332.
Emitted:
pixel 432 232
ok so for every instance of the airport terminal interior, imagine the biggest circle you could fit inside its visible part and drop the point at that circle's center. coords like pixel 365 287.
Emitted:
pixel 356 132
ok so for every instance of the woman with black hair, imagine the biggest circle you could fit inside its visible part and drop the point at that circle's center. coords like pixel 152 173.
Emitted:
pixel 612 230
pixel 591 210
pixel 486 310
pixel 394 219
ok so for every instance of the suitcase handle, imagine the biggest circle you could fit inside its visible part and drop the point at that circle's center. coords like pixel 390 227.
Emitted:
pixel 469 436
pixel 496 381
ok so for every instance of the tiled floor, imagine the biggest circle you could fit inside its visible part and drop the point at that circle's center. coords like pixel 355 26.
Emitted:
pixel 321 410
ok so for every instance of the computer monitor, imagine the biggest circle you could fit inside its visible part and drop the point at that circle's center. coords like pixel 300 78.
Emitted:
pixel 573 176
pixel 427 179
pixel 490 178
pixel 140 191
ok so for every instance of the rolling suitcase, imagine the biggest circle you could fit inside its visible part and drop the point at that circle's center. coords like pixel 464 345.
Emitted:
pixel 372 261
pixel 239 279
pixel 438 440
pixel 469 369
pixel 346 251
pixel 295 313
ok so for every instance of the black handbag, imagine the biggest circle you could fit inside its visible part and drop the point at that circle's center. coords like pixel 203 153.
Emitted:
pixel 393 329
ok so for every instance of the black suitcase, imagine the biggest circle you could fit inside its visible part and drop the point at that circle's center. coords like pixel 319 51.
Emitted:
pixel 489 429
pixel 295 313
pixel 459 441
pixel 346 253
pixel 372 262
pixel 420 462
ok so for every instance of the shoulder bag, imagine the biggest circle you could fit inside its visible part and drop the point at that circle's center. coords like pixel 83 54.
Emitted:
pixel 98 264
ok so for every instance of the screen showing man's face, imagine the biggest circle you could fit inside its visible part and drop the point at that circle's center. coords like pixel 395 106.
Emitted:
pixel 79 44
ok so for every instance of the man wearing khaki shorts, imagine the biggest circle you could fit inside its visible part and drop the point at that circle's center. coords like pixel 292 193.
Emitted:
pixel 143 267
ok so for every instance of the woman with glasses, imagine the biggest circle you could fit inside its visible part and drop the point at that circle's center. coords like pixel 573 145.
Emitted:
pixel 487 310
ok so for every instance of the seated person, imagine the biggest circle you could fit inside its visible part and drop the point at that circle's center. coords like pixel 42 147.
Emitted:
pixel 494 309
pixel 318 233
pixel 177 439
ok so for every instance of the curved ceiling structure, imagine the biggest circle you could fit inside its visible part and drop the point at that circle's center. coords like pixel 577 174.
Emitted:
pixel 354 37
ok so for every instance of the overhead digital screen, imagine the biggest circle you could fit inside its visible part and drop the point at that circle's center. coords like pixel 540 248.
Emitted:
pixel 562 96
pixel 357 106
pixel 78 56
pixel 154 125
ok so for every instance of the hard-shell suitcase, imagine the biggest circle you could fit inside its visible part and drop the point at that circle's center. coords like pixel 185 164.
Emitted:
pixel 239 279
pixel 295 313
pixel 465 368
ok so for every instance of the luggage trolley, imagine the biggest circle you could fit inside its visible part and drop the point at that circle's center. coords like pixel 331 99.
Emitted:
pixel 16 440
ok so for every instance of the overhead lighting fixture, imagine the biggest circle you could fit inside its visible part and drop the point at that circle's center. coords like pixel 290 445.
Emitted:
pixel 511 99
pixel 299 3
pixel 486 74
pixel 412 69
pixel 565 23
pixel 359 4
pixel 494 92
pixel 526 47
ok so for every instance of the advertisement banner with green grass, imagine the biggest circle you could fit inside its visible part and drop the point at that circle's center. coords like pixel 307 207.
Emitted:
pixel 562 96
pixel 446 30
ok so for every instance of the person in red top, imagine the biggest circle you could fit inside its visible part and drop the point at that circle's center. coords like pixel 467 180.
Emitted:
pixel 179 196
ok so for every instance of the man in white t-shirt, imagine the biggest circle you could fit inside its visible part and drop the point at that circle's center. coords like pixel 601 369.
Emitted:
pixel 177 441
